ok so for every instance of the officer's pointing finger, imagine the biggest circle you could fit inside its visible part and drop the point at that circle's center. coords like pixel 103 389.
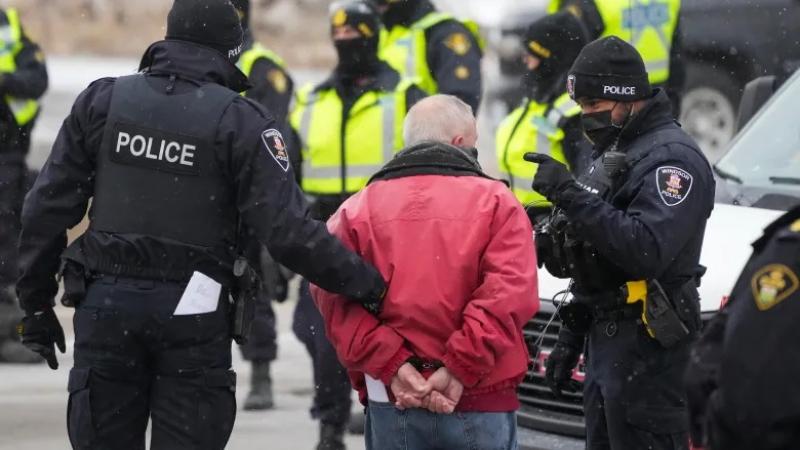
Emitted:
pixel 537 158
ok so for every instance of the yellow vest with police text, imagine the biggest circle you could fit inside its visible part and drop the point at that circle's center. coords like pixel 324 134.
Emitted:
pixel 406 49
pixel 24 110
pixel 533 127
pixel 648 25
pixel 340 158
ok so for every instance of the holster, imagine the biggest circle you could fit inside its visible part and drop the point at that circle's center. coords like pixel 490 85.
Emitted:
pixel 659 313
pixel 74 276
pixel 244 299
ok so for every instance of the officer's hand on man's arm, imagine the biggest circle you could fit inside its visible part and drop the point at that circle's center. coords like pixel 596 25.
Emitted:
pixel 562 361
pixel 41 332
pixel 552 179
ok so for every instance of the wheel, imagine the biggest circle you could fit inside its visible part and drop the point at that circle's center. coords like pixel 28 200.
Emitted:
pixel 708 108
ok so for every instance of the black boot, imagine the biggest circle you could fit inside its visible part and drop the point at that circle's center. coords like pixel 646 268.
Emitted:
pixel 260 396
pixel 331 437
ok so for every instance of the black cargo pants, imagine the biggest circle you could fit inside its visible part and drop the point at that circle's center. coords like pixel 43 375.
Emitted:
pixel 331 404
pixel 135 360
pixel 634 396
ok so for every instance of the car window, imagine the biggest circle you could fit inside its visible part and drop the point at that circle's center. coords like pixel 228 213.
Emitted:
pixel 767 152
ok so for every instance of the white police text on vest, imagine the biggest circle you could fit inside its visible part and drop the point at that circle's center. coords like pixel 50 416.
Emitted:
pixel 155 149
pixel 619 90
pixel 142 147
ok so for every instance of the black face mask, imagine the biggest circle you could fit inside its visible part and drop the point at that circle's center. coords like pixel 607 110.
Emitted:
pixel 600 129
pixel 539 83
pixel 357 57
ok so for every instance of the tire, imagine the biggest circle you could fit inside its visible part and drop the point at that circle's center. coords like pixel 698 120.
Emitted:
pixel 709 108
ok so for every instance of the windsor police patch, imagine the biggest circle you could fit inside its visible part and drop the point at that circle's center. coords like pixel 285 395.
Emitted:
pixel 276 146
pixel 674 184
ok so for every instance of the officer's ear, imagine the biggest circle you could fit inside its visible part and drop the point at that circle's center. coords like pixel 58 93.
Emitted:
pixel 457 141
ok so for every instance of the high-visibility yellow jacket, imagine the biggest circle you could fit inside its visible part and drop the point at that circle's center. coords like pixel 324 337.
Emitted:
pixel 11 44
pixel 533 127
pixel 340 154
pixel 648 25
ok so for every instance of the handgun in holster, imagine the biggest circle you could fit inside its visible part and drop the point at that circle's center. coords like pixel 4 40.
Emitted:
pixel 74 276
pixel 244 299
pixel 658 313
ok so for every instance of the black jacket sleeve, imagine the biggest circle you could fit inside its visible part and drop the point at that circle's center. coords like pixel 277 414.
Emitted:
pixel 645 237
pixel 272 88
pixel 274 207
pixel 587 12
pixel 30 78
pixel 577 149
pixel 454 58
pixel 413 95
pixel 59 198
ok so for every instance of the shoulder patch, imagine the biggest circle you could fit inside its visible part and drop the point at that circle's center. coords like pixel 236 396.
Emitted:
pixel 674 184
pixel 773 284
pixel 276 147
pixel 278 80
pixel 458 43
pixel 462 72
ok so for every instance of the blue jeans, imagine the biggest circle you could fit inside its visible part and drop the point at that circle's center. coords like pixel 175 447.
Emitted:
pixel 388 428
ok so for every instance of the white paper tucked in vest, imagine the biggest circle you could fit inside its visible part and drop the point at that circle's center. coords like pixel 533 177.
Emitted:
pixel 376 391
pixel 201 296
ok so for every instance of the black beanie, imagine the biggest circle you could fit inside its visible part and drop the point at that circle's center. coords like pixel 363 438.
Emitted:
pixel 556 39
pixel 213 23
pixel 609 68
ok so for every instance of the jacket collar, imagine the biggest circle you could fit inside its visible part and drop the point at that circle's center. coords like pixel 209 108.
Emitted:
pixel 655 114
pixel 430 158
pixel 193 62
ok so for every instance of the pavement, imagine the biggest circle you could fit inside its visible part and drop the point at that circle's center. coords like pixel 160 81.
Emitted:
pixel 33 399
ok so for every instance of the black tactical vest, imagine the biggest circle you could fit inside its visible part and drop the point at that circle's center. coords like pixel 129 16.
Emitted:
pixel 157 172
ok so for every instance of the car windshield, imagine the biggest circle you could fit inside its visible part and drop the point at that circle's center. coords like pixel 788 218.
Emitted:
pixel 767 152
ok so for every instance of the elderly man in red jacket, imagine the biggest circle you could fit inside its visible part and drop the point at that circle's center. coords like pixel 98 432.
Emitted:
pixel 458 251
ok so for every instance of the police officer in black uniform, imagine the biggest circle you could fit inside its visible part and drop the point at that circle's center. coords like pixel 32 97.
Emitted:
pixel 742 379
pixel 629 233
pixel 272 87
pixel 23 80
pixel 173 158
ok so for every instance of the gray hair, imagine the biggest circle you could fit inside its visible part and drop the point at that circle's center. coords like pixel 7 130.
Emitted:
pixel 438 118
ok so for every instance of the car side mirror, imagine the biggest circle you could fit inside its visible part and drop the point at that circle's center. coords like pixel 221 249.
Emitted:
pixel 755 95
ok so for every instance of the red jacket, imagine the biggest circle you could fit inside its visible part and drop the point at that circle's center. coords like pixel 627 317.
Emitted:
pixel 459 258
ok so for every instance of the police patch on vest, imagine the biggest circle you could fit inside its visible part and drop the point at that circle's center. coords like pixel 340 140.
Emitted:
pixel 458 43
pixel 772 285
pixel 276 146
pixel 674 184
pixel 154 149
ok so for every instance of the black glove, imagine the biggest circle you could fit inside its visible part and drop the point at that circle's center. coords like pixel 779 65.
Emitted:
pixel 374 303
pixel 562 361
pixel 40 332
pixel 552 178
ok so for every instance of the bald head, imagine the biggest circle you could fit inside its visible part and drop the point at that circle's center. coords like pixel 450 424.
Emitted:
pixel 441 118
